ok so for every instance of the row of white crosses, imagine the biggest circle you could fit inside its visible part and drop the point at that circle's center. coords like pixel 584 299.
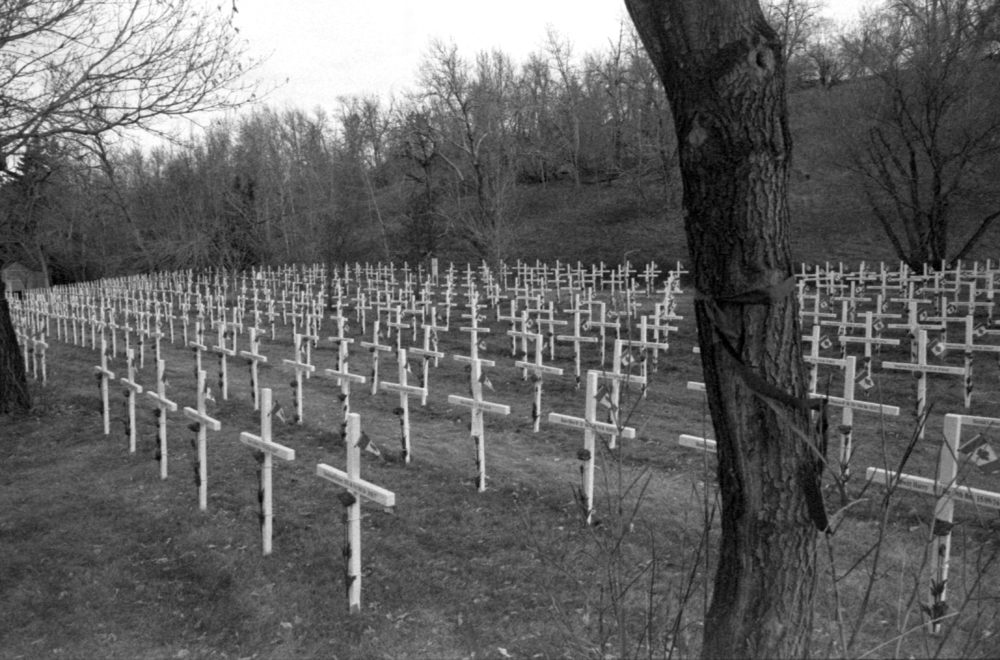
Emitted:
pixel 917 324
pixel 848 402
pixel 946 489
pixel 266 449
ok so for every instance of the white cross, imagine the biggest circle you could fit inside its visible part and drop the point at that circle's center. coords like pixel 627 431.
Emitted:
pixel 537 370
pixel 132 389
pixel 356 489
pixel 254 358
pixel 268 449
pixel 375 347
pixel 946 490
pixel 922 369
pixel 576 338
pixel 405 392
pixel 163 404
pixel 202 422
pixel 300 369
pixel 591 427
pixel 478 407
pixel 103 376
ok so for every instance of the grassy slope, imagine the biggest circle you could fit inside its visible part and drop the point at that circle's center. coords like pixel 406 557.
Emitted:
pixel 829 214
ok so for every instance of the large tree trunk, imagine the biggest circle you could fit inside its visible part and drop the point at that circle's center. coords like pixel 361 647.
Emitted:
pixel 722 69
pixel 14 393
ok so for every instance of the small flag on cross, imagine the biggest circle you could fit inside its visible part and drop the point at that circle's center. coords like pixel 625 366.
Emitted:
pixel 603 396
pixel 981 454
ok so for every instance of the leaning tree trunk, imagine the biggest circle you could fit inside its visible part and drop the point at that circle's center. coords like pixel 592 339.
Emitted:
pixel 14 393
pixel 722 69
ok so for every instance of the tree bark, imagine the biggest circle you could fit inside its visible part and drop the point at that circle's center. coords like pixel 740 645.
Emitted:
pixel 721 65
pixel 14 393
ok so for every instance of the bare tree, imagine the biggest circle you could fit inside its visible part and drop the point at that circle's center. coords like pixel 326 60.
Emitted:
pixel 84 68
pixel 723 69
pixel 931 123
pixel 470 106
pixel 794 21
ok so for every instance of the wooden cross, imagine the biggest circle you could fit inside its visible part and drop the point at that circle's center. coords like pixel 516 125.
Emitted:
pixel 646 326
pixel 427 352
pixel 300 369
pixel 254 358
pixel 398 325
pixel 103 376
pixel 356 488
pixel 512 319
pixel 344 379
pixel 267 449
pixel 524 334
pixel 968 348
pixel 537 370
pixel 163 404
pixel 576 338
pixel 224 351
pixel 551 322
pixel 375 348
pixel 591 427
pixel 849 405
pixel 198 345
pixel 922 369
pixel 945 488
pixel 602 323
pixel 478 406
pixel 695 441
pixel 871 326
pixel 201 423
pixel 474 343
pixel 132 389
pixel 617 376
pixel 405 392
pixel 818 341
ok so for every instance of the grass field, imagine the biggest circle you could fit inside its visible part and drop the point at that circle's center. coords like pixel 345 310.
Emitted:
pixel 103 559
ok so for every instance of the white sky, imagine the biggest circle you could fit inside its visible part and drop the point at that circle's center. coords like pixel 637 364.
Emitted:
pixel 317 51
pixel 326 49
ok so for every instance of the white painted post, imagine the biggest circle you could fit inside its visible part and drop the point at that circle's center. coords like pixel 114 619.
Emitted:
pixel 478 407
pixel 300 369
pixel 103 376
pixel 426 352
pixel 163 404
pixel 356 488
pixel 577 337
pixel 266 450
pixel 620 374
pixel 344 379
pixel 132 390
pixel 254 358
pixel 223 350
pixel 375 348
pixel 946 490
pixel 537 370
pixel 591 427
pixel 405 392
pixel 922 369
pixel 201 423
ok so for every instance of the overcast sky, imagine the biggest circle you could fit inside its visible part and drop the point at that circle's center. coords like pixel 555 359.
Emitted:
pixel 317 51
pixel 320 50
